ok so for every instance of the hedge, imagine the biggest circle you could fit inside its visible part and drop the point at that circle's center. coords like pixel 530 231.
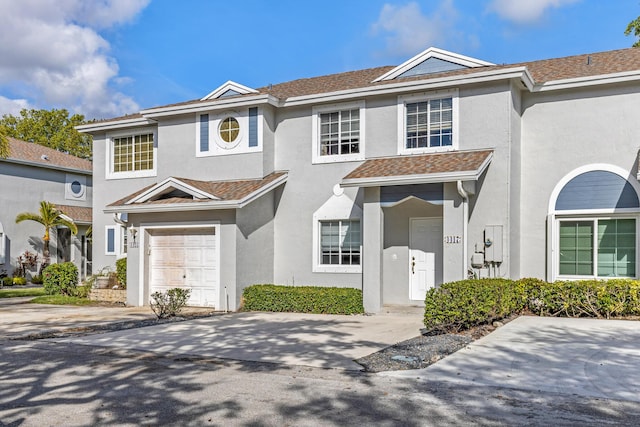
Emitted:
pixel 302 299
pixel 459 305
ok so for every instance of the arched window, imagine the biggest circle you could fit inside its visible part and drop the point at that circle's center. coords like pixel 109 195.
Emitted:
pixel 594 214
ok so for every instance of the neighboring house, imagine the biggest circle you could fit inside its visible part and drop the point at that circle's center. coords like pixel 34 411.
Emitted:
pixel 33 173
pixel 391 180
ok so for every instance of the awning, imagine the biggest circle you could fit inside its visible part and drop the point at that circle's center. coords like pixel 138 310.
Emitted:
pixel 420 169
pixel 79 214
pixel 181 194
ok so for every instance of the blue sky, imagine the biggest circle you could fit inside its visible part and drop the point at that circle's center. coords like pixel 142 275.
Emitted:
pixel 104 58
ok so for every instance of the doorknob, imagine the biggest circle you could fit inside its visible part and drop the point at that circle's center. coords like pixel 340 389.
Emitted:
pixel 413 265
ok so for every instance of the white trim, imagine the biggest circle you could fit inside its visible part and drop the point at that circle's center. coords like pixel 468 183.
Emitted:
pixel 229 85
pixel 69 194
pixel 315 135
pixel 48 166
pixel 115 124
pixel 143 250
pixel 421 97
pixel 110 174
pixel 116 239
pixel 168 183
pixel 433 52
pixel 590 168
pixel 578 82
pixel 200 206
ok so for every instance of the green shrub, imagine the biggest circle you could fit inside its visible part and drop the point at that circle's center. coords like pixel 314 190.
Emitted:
pixel 459 305
pixel 37 279
pixel 60 279
pixel 302 299
pixel 121 272
pixel 19 281
pixel 7 281
pixel 170 303
pixel 586 298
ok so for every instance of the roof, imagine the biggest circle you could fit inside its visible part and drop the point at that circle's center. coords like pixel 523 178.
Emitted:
pixel 79 214
pixel 542 71
pixel 39 155
pixel 183 194
pixel 419 169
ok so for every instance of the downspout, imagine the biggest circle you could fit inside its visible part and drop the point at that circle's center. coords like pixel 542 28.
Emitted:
pixel 465 214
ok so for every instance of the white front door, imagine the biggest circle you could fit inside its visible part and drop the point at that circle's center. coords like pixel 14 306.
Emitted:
pixel 185 258
pixel 425 255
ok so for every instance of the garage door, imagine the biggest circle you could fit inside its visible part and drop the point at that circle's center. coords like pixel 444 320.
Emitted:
pixel 185 258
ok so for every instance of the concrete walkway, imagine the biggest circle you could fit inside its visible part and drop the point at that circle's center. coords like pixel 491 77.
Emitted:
pixel 326 341
pixel 585 357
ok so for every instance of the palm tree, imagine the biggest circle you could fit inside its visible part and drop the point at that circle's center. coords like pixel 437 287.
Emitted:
pixel 49 216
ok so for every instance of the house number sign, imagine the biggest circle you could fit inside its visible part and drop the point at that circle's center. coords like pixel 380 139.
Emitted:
pixel 452 239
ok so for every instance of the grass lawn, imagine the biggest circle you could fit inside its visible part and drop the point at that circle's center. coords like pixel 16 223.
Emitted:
pixel 22 292
pixel 61 300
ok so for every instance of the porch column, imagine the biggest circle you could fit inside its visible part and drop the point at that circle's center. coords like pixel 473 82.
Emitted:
pixel 372 241
pixel 454 218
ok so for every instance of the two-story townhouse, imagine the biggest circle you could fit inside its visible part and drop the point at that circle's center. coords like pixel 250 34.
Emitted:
pixel 391 180
pixel 33 173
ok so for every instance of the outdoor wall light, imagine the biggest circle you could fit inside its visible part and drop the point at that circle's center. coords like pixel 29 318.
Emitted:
pixel 132 233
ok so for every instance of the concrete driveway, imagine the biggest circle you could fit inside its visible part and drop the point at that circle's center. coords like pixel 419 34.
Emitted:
pixel 584 357
pixel 326 341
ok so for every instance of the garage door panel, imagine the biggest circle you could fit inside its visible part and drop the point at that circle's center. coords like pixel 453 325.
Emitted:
pixel 185 259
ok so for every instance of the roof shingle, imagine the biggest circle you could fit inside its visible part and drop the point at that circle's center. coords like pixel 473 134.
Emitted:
pixel 45 156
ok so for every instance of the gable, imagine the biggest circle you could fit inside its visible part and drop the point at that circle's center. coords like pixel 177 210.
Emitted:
pixel 431 66
pixel 430 61
pixel 229 89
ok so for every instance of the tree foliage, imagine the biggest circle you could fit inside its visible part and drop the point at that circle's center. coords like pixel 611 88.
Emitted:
pixel 634 28
pixel 51 128
pixel 4 144
pixel 50 217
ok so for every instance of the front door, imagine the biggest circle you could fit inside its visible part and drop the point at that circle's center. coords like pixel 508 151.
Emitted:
pixel 425 256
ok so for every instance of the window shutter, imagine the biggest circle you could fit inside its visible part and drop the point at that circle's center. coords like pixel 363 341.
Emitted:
pixel 253 127
pixel 204 132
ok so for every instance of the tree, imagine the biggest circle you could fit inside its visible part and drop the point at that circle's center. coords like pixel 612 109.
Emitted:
pixel 54 129
pixel 4 144
pixel 49 216
pixel 634 27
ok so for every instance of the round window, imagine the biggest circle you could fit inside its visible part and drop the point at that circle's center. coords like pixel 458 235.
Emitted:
pixel 76 188
pixel 229 129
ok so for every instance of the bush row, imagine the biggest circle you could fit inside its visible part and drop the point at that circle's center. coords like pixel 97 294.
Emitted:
pixel 302 299
pixel 460 305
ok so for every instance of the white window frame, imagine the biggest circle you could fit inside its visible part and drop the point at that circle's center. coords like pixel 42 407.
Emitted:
pixel 403 100
pixel 109 157
pixel 315 139
pixel 219 147
pixel 339 207
pixel 120 240
pixel 594 218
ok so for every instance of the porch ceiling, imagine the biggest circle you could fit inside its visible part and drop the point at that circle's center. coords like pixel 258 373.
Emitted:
pixel 187 194
pixel 419 169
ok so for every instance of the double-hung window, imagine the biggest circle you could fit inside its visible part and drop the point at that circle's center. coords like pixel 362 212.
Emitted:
pixel 427 123
pixel 600 247
pixel 132 155
pixel 338 133
pixel 340 242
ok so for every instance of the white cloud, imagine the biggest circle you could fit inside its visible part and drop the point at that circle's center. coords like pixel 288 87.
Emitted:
pixel 12 106
pixel 525 11
pixel 52 54
pixel 409 31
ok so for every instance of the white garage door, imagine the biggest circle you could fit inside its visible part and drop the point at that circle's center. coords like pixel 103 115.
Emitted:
pixel 185 258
